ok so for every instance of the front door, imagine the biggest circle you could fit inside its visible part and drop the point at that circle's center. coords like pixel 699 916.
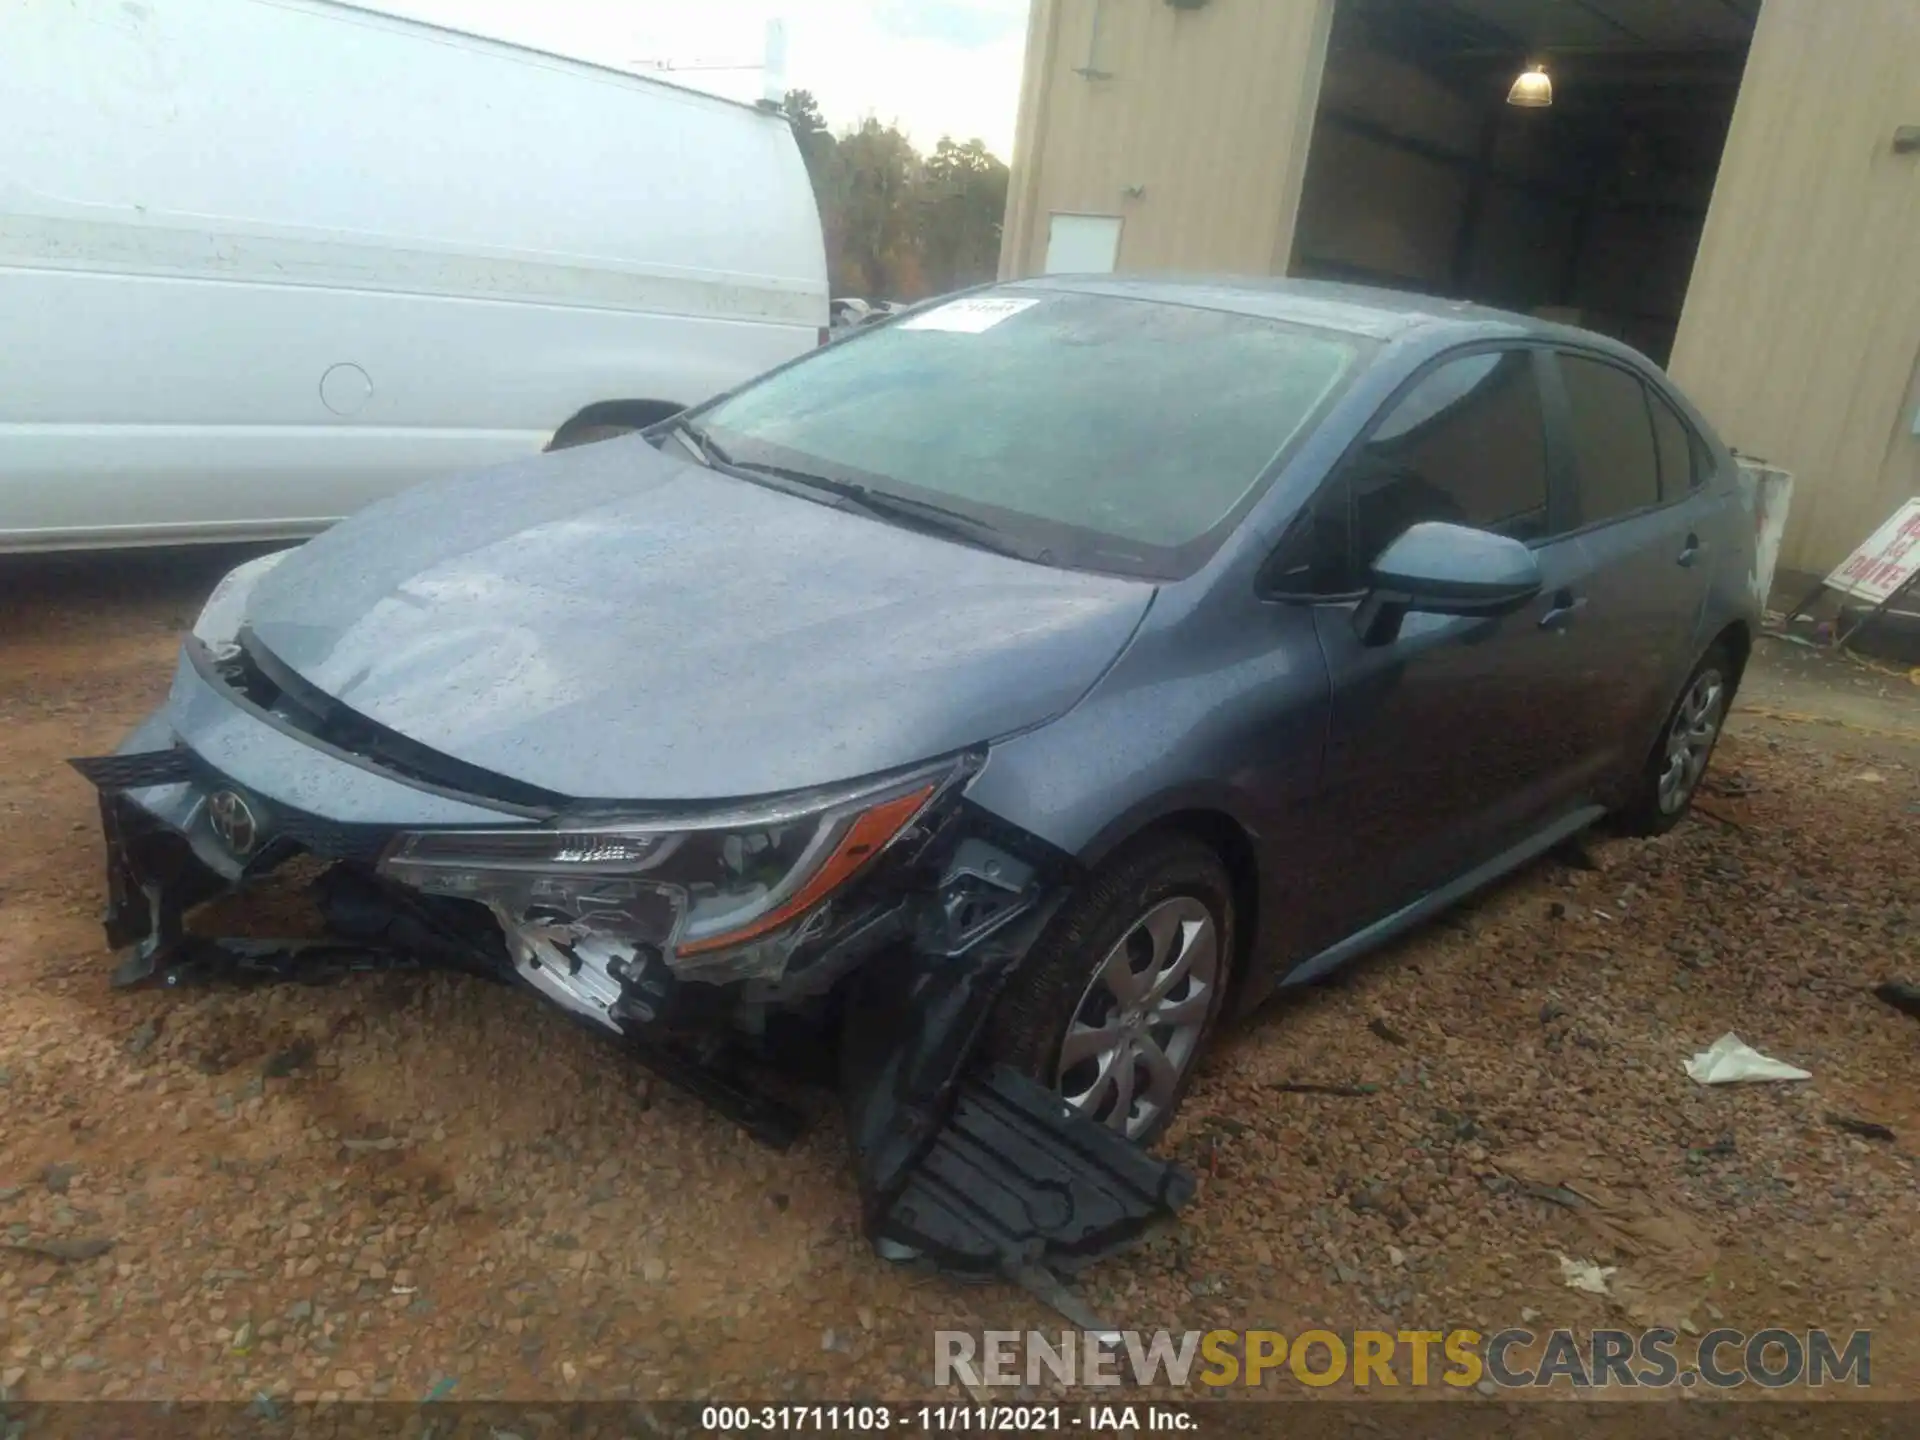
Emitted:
pixel 1453 741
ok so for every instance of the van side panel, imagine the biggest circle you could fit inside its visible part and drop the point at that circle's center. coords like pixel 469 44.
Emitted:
pixel 266 260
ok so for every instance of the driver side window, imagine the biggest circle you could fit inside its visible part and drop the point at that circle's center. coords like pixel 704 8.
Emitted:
pixel 1467 445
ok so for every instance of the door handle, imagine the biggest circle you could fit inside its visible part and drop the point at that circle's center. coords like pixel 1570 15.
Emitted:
pixel 1565 606
pixel 1690 552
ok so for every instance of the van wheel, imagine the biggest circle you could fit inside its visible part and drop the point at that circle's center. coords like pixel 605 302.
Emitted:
pixel 1118 998
pixel 1665 788
pixel 588 435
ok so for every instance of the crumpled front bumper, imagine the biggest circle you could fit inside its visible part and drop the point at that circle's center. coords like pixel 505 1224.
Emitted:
pixel 212 790
pixel 323 799
pixel 971 1170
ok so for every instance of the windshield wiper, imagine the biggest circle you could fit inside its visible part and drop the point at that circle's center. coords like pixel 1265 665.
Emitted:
pixel 941 520
pixel 701 443
pixel 927 515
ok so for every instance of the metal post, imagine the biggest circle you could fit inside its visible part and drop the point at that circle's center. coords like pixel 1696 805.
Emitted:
pixel 1840 640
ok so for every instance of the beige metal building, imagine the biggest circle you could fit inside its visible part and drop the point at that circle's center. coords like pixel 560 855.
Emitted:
pixel 1731 185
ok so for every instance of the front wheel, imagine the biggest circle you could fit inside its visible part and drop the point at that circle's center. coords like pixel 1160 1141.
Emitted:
pixel 1665 788
pixel 1116 1002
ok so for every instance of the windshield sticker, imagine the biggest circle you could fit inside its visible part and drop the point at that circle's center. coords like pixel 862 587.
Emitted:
pixel 968 317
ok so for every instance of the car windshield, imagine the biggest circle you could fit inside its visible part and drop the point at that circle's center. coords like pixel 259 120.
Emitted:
pixel 1105 433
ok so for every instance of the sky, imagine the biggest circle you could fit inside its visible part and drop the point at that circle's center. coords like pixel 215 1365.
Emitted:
pixel 934 67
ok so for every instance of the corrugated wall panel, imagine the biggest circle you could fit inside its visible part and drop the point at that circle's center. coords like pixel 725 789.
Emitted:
pixel 1801 334
pixel 1207 115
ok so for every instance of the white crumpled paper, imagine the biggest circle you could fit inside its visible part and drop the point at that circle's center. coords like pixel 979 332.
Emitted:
pixel 1730 1059
pixel 1585 1275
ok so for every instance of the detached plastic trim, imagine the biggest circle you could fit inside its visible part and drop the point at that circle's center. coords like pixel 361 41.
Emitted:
pixel 1018 1179
pixel 110 773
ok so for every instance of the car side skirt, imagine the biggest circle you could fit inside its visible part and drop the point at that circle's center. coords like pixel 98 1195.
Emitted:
pixel 1432 903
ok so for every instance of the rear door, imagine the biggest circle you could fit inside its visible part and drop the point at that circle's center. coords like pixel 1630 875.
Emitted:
pixel 1461 736
pixel 1638 511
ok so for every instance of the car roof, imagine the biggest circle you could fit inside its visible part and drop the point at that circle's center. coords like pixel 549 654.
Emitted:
pixel 1365 310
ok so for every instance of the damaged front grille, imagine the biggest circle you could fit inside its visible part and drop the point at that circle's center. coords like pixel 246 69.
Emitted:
pixel 111 773
pixel 331 839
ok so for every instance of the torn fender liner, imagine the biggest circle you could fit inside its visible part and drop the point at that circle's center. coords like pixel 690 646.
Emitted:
pixel 980 1173
pixel 1020 1178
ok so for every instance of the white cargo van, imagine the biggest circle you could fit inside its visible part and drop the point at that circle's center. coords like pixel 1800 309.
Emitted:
pixel 263 261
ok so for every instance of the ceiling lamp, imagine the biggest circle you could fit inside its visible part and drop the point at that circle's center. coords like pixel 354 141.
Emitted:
pixel 1532 89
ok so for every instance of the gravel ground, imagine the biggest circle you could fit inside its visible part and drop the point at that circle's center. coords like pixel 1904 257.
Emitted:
pixel 404 1187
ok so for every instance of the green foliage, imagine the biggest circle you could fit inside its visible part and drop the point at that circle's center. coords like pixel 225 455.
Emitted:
pixel 899 225
pixel 810 132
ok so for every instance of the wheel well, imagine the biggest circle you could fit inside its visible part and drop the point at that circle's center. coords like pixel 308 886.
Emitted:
pixel 634 414
pixel 1737 639
pixel 1225 836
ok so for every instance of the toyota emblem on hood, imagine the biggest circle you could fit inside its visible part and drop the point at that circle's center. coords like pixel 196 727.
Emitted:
pixel 233 821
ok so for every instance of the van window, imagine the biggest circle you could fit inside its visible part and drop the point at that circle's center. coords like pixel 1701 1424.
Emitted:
pixel 1466 445
pixel 1674 440
pixel 1616 465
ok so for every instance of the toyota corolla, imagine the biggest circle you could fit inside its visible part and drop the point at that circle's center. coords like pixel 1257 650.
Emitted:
pixel 996 701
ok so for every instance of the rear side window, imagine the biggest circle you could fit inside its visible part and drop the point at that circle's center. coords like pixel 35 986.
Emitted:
pixel 1615 460
pixel 1466 445
pixel 1679 471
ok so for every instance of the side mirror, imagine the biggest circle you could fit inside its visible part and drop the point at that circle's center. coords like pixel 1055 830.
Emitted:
pixel 1440 569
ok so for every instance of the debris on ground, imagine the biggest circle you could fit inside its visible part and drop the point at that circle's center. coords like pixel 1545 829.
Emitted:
pixel 1386 1032
pixel 62 1248
pixel 1730 1060
pixel 1865 1129
pixel 1585 1275
pixel 1665 1253
pixel 1900 995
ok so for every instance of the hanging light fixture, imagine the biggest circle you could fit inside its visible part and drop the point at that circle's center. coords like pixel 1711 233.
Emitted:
pixel 1532 89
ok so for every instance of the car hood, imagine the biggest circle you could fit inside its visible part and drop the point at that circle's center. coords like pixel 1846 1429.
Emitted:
pixel 606 622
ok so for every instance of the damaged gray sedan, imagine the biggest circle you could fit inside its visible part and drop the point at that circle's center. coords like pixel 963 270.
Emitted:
pixel 980 708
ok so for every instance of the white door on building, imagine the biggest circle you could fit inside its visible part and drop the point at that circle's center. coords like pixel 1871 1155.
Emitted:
pixel 1083 244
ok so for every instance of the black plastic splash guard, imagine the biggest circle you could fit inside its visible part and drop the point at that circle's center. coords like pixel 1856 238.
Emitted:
pixel 1018 1178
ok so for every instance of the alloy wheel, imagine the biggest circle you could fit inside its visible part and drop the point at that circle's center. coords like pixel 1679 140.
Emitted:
pixel 1137 1028
pixel 1696 725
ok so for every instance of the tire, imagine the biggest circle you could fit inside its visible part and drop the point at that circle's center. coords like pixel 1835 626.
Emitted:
pixel 588 435
pixel 1150 910
pixel 1663 791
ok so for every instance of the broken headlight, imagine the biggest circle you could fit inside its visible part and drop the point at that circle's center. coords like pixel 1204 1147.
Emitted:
pixel 717 897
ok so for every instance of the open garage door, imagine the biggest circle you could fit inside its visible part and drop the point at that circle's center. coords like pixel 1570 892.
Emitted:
pixel 1423 175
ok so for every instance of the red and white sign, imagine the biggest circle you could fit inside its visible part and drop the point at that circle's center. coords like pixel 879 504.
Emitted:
pixel 1888 560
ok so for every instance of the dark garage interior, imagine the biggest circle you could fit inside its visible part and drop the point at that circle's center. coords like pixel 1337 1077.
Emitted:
pixel 1423 175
